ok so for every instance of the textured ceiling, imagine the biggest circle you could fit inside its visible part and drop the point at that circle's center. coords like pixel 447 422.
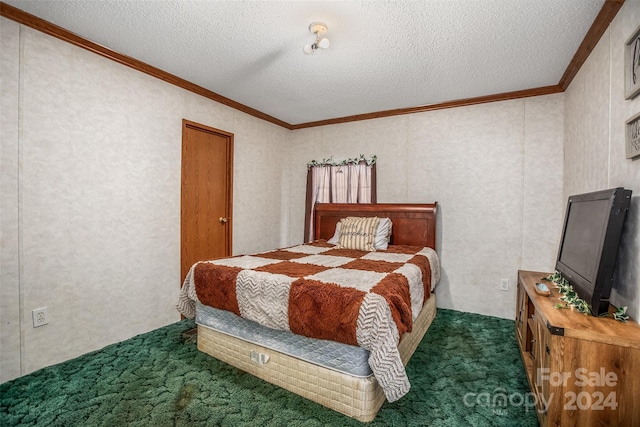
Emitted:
pixel 384 55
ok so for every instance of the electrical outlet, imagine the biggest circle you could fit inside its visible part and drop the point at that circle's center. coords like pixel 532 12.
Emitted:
pixel 40 317
pixel 504 284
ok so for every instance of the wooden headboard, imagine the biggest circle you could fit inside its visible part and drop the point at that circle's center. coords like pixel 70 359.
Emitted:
pixel 413 224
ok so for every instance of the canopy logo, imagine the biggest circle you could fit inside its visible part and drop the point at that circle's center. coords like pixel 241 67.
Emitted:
pixel 595 400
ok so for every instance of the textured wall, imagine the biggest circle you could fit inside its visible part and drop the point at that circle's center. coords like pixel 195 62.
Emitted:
pixel 587 124
pixel 98 213
pixel 483 164
pixel 595 115
pixel 543 209
pixel 9 258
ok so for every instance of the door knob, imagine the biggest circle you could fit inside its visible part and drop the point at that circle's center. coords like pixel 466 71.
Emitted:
pixel 222 220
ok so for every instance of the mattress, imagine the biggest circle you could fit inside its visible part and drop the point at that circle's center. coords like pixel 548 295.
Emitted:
pixel 348 359
pixel 354 396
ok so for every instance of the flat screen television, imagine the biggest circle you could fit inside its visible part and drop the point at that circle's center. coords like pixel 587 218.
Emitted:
pixel 589 244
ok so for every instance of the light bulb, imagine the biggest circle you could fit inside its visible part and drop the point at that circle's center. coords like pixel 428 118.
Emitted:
pixel 324 43
pixel 308 49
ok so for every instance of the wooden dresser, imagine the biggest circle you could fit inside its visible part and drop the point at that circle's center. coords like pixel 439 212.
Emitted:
pixel 583 370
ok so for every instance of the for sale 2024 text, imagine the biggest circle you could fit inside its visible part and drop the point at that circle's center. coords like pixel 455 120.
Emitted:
pixel 581 377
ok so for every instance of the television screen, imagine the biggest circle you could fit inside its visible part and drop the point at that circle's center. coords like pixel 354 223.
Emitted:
pixel 589 245
pixel 586 227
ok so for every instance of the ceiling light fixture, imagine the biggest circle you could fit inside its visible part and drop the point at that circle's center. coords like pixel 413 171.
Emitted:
pixel 317 28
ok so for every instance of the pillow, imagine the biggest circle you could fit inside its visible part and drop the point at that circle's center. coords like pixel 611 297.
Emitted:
pixel 358 233
pixel 380 241
pixel 383 234
pixel 336 236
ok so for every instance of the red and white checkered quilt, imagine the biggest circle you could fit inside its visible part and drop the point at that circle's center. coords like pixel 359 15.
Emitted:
pixel 360 298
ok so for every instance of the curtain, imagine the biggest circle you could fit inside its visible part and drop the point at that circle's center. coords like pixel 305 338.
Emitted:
pixel 351 181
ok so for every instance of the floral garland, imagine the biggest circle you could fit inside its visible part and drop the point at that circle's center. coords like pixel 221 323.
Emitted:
pixel 571 298
pixel 354 161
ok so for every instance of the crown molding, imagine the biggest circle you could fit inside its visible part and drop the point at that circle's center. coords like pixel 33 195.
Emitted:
pixel 609 10
pixel 599 26
pixel 53 30
pixel 546 90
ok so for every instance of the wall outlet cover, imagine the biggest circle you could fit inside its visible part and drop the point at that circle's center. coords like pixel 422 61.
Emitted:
pixel 40 317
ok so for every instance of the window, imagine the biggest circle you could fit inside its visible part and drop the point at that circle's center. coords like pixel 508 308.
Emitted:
pixel 350 181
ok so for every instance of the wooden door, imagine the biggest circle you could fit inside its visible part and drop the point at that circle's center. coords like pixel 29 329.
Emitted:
pixel 207 171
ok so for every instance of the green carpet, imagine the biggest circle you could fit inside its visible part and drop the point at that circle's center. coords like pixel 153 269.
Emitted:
pixel 460 371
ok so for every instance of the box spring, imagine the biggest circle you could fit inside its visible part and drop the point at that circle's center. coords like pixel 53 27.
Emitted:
pixel 356 397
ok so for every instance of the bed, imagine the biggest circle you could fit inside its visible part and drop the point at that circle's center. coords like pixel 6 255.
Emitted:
pixel 341 362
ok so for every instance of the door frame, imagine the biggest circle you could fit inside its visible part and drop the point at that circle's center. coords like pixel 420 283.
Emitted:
pixel 229 175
